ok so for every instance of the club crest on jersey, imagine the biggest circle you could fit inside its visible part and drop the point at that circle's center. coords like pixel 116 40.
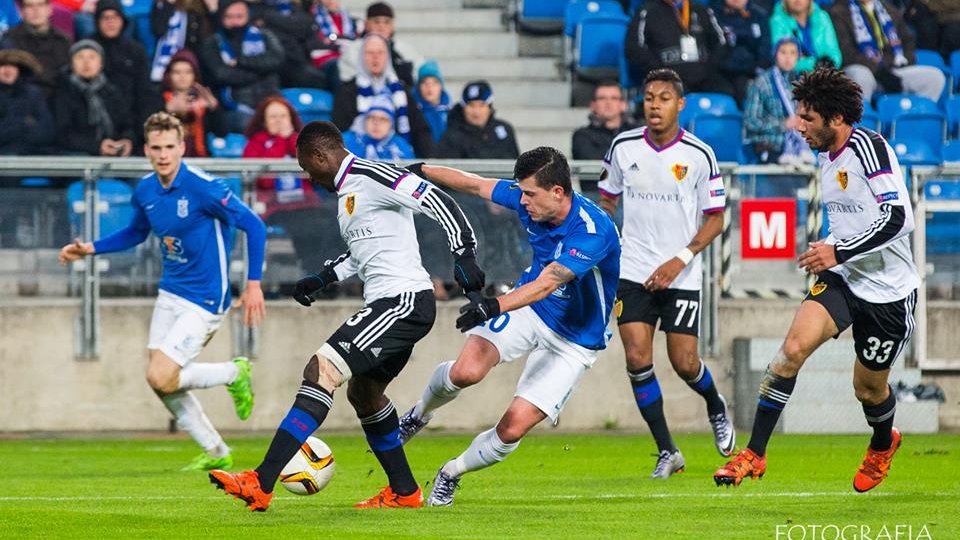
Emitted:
pixel 558 251
pixel 818 288
pixel 842 179
pixel 351 203
pixel 618 308
pixel 182 207
pixel 679 171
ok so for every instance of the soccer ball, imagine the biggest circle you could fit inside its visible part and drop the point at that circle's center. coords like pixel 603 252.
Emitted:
pixel 310 470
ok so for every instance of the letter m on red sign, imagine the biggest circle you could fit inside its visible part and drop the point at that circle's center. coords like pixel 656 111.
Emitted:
pixel 768 228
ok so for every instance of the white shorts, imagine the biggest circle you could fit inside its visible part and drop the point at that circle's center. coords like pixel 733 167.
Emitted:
pixel 179 328
pixel 554 363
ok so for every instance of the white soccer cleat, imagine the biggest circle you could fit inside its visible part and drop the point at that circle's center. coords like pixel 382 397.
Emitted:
pixel 443 487
pixel 410 426
pixel 667 464
pixel 724 434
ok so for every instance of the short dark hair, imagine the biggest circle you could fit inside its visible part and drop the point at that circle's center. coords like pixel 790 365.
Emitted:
pixel 320 135
pixel 829 92
pixel 607 83
pixel 548 167
pixel 665 75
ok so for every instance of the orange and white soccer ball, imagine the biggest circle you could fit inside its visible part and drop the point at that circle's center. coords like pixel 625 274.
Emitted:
pixel 310 470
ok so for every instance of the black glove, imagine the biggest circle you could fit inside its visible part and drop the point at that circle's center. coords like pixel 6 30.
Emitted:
pixel 479 309
pixel 889 81
pixel 311 284
pixel 416 168
pixel 468 273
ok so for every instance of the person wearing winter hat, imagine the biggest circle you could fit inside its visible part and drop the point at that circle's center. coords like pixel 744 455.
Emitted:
pixel 36 36
pixel 192 102
pixel 92 116
pixel 26 125
pixel 125 62
pixel 372 135
pixel 432 98
pixel 472 130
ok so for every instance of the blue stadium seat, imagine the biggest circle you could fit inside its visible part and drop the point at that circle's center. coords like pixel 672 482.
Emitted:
pixel 913 152
pixel 35 181
pixel 927 57
pixel 706 103
pixel 951 151
pixel 115 208
pixel 891 106
pixel 599 45
pixel 943 228
pixel 722 132
pixel 953 117
pixel 955 67
pixel 870 120
pixel 143 33
pixel 136 8
pixel 576 10
pixel 927 127
pixel 230 146
pixel 311 104
pixel 541 16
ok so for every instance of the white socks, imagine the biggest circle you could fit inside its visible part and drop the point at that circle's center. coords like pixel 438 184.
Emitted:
pixel 439 391
pixel 195 376
pixel 191 418
pixel 486 449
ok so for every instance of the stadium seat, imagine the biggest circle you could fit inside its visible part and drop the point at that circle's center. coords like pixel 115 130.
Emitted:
pixel 955 68
pixel 599 46
pixel 891 106
pixel 953 117
pixel 576 10
pixel 927 127
pixel 136 8
pixel 35 181
pixel 144 34
pixel 230 146
pixel 722 132
pixel 927 57
pixel 914 152
pixel 115 209
pixel 541 16
pixel 311 104
pixel 706 103
pixel 951 151
pixel 943 228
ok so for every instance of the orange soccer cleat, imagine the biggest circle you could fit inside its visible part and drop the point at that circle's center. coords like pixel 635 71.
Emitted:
pixel 244 485
pixel 876 465
pixel 746 463
pixel 388 499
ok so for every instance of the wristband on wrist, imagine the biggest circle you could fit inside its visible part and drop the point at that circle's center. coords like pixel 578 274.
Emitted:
pixel 685 255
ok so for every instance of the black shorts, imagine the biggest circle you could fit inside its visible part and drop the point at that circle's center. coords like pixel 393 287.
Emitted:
pixel 880 331
pixel 677 309
pixel 378 340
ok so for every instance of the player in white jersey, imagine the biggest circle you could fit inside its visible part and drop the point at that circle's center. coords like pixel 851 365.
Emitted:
pixel 667 179
pixel 866 275
pixel 376 206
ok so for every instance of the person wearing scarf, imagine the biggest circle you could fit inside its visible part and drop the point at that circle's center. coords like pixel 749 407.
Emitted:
pixel 811 27
pixel 375 78
pixel 178 24
pixel 770 115
pixel 92 116
pixel 372 136
pixel 432 98
pixel 878 50
pixel 243 63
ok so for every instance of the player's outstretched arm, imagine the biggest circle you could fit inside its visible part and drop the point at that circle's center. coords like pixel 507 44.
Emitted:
pixel 480 309
pixel 75 251
pixel 333 271
pixel 459 180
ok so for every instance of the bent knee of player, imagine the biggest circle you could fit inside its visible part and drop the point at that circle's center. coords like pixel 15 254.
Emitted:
pixel 686 364
pixel 791 356
pixel 638 356
pixel 466 373
pixel 325 372
pixel 163 382
pixel 869 391
pixel 510 431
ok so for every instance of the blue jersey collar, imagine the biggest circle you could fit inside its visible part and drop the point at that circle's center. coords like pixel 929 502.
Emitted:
pixel 177 180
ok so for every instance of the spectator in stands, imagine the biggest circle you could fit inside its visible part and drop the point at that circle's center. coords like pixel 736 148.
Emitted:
pixel 193 103
pixel 937 25
pixel 294 26
pixel 432 98
pixel 372 135
pixel 178 24
pixel 9 16
pixel 747 29
pixel 770 115
pixel 380 21
pixel 878 50
pixel 243 62
pixel 126 64
pixel 608 118
pixel 26 126
pixel 683 36
pixel 334 27
pixel 377 77
pixel 37 37
pixel 92 116
pixel 473 132
pixel 810 26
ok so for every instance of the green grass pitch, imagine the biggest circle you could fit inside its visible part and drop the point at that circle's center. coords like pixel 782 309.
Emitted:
pixel 553 486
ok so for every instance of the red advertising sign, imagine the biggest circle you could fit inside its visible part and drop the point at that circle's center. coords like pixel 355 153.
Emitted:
pixel 768 228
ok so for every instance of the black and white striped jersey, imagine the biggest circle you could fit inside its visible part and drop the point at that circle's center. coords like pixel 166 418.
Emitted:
pixel 375 211
pixel 870 215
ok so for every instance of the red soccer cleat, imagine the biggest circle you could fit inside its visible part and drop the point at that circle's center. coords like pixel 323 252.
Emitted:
pixel 244 485
pixel 876 465
pixel 388 499
pixel 745 464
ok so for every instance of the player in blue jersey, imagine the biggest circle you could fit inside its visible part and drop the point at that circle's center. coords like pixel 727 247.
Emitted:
pixel 556 315
pixel 192 214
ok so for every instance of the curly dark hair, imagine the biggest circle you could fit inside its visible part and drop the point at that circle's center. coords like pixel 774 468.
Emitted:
pixel 830 93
